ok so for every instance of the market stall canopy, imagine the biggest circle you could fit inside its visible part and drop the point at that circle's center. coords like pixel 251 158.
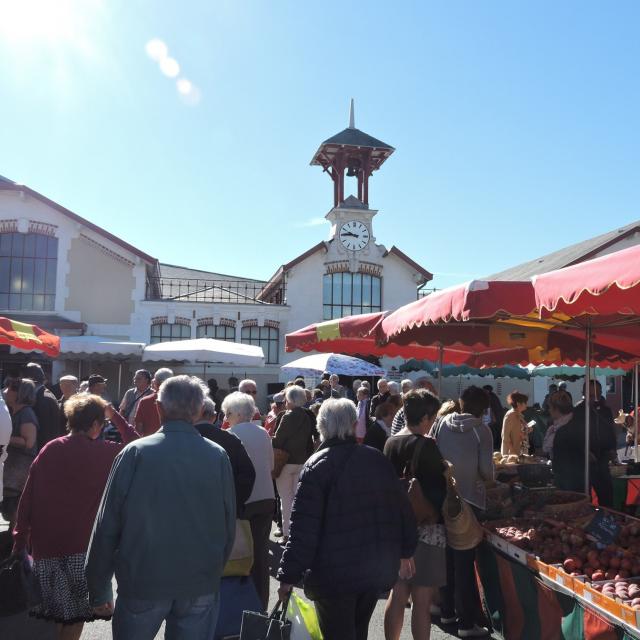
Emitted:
pixel 98 345
pixel 333 363
pixel 351 335
pixel 490 317
pixel 451 370
pixel 601 297
pixel 573 371
pixel 477 344
pixel 205 351
pixel 360 335
pixel 605 286
pixel 28 337
pixel 476 300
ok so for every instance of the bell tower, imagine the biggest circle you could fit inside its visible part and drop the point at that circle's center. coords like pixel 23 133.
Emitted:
pixel 354 152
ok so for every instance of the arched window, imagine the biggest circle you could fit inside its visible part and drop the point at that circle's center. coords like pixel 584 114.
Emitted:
pixel 266 337
pixel 28 267
pixel 217 331
pixel 167 332
pixel 345 294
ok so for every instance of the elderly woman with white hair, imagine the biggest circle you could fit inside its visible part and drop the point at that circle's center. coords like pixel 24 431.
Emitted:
pixel 239 409
pixel 292 446
pixel 352 531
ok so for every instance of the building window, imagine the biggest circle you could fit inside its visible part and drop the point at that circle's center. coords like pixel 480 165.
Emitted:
pixel 28 267
pixel 165 332
pixel 345 294
pixel 266 337
pixel 217 331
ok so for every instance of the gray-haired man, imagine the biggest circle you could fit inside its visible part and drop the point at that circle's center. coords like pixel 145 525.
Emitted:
pixel 167 554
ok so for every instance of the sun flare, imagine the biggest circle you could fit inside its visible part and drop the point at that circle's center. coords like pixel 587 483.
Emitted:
pixel 40 20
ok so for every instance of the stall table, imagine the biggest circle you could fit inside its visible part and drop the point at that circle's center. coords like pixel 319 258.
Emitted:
pixel 525 605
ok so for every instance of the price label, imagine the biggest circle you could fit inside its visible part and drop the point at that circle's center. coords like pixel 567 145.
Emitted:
pixel 603 528
pixel 588 596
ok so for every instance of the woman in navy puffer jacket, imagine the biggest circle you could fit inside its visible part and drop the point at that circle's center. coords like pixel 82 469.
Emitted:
pixel 352 528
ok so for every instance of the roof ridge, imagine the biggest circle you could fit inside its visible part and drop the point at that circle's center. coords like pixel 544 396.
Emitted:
pixel 565 256
pixel 225 275
pixel 13 186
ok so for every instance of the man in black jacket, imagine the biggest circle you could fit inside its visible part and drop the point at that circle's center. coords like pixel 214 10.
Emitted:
pixel 46 406
pixel 602 442
pixel 352 529
pixel 244 474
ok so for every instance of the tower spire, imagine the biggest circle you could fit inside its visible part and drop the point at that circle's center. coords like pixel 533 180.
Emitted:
pixel 352 119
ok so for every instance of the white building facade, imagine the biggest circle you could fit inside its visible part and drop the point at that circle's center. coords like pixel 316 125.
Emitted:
pixel 71 277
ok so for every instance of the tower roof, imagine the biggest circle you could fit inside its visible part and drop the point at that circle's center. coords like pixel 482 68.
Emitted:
pixel 355 152
pixel 353 137
pixel 358 140
pixel 354 140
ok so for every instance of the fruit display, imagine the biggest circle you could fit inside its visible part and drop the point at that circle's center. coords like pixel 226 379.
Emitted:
pixel 564 552
pixel 531 471
pixel 626 592
pixel 567 506
pixel 555 542
pixel 499 459
pixel 499 503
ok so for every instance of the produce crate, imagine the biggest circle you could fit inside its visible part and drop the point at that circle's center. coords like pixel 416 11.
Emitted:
pixel 630 616
pixel 561 577
pixel 518 554
pixel 603 602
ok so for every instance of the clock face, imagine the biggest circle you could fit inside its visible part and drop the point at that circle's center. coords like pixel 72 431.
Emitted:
pixel 354 235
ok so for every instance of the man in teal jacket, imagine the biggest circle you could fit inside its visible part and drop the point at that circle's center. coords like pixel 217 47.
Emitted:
pixel 165 526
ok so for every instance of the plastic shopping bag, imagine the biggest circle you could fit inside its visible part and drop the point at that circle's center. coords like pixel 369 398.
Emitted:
pixel 303 618
pixel 241 559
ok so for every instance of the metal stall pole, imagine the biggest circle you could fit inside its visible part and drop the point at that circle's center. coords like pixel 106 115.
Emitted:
pixel 587 412
pixel 440 363
pixel 119 380
pixel 635 410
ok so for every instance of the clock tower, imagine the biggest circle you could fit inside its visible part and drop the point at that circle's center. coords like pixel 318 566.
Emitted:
pixel 354 152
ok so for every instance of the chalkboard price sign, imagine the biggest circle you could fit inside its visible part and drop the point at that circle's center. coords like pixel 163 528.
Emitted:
pixel 603 528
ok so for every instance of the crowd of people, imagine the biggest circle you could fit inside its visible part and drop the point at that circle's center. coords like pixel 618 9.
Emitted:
pixel 151 492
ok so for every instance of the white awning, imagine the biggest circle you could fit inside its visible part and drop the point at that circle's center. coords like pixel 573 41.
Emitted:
pixel 97 345
pixel 205 351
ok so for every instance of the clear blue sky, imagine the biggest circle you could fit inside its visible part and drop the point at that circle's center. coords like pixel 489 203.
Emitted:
pixel 515 123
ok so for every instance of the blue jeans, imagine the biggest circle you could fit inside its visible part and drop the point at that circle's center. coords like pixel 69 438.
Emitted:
pixel 187 619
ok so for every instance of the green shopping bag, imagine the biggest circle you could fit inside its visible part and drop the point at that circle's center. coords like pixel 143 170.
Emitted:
pixel 303 618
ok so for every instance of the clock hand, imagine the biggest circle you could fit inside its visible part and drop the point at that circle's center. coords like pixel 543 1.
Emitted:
pixel 348 233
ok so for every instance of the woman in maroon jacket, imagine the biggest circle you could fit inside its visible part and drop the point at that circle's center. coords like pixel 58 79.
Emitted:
pixel 58 507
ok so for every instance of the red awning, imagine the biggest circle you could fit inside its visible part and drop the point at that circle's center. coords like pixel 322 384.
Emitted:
pixel 605 286
pixel 476 300
pixel 28 337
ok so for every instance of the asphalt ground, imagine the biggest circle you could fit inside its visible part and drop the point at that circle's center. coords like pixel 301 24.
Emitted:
pixel 22 627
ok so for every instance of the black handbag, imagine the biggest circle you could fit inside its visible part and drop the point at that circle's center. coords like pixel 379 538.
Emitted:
pixel 16 470
pixel 19 587
pixel 275 626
